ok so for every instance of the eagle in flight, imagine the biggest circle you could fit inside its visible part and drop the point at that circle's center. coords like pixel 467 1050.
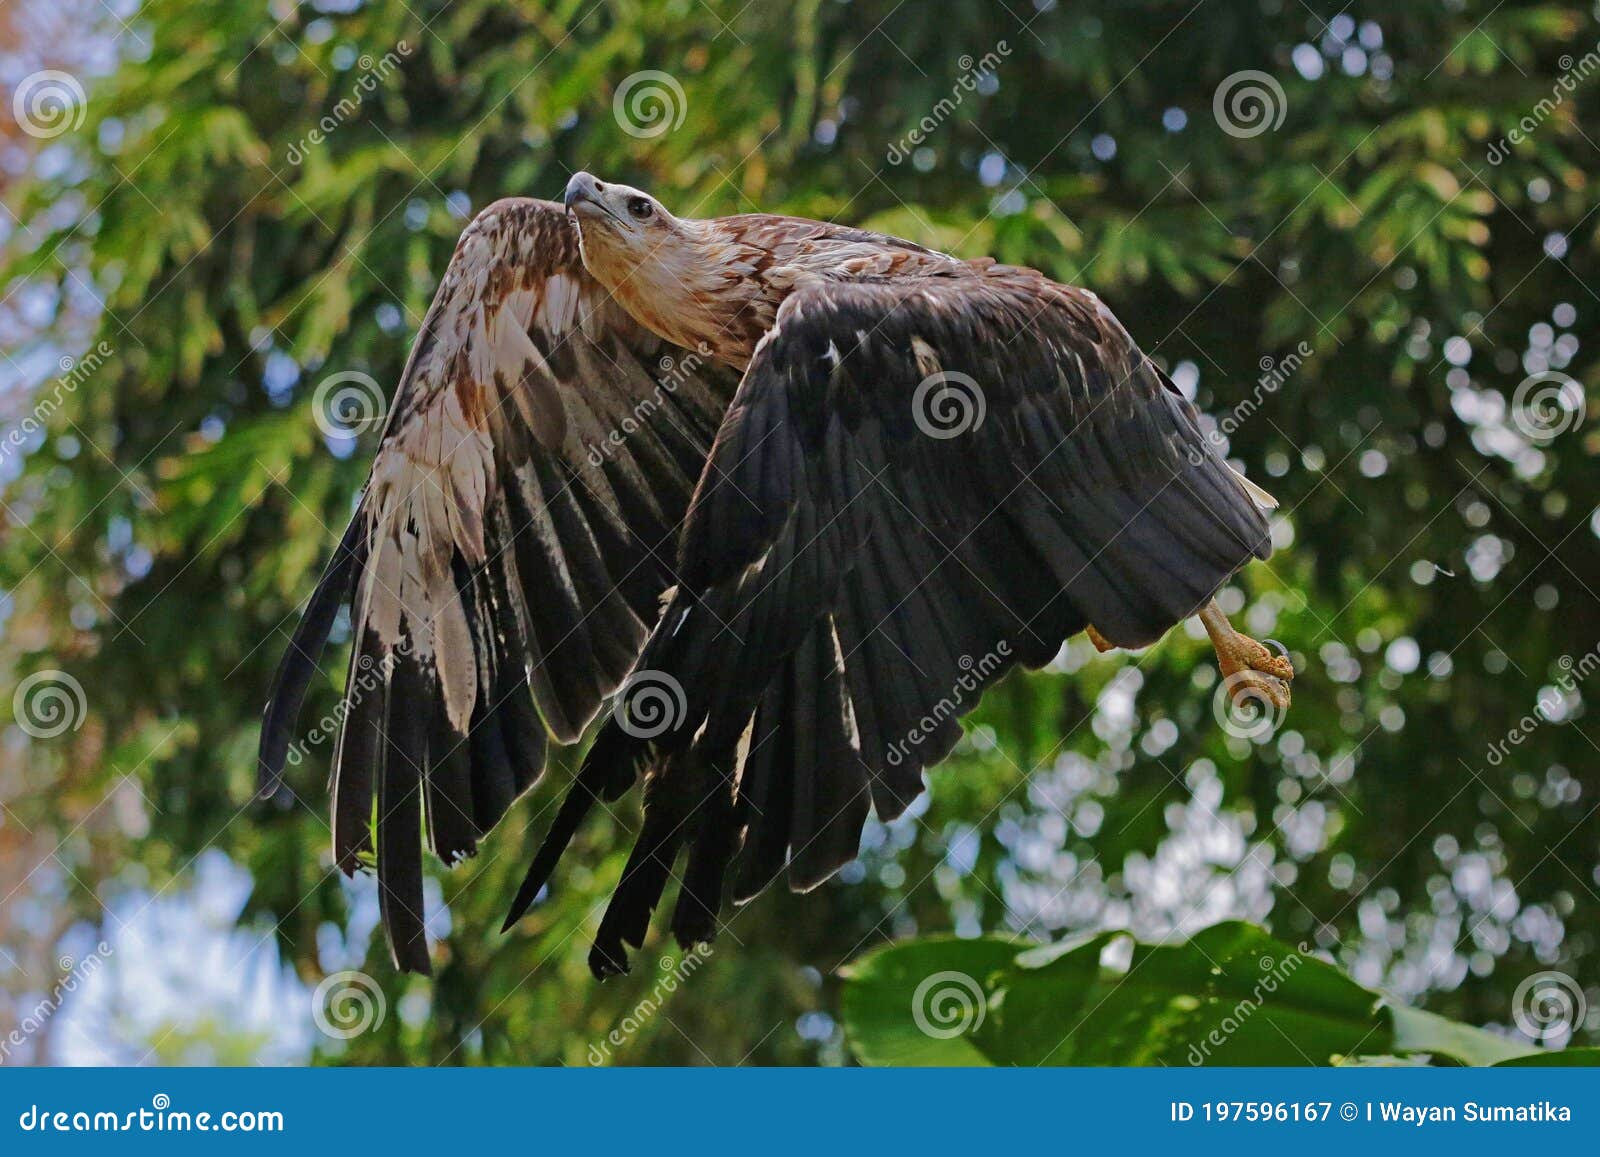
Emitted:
pixel 781 490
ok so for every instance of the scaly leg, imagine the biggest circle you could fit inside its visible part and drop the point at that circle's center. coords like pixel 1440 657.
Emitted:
pixel 1101 643
pixel 1247 666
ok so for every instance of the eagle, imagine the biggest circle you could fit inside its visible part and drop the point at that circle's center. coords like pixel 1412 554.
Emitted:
pixel 787 495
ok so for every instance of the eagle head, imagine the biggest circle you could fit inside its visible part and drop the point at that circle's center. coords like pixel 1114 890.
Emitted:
pixel 628 239
pixel 679 277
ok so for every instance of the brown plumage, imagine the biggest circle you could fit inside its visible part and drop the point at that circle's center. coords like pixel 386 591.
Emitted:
pixel 711 463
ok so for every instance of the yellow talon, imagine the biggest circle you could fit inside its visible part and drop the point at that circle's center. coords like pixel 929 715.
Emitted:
pixel 1101 643
pixel 1249 669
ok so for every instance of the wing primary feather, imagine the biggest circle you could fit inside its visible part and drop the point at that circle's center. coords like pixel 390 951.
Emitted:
pixel 357 762
pixel 400 822
pixel 452 832
pixel 826 833
pixel 597 779
pixel 300 659
pixel 494 785
pixel 694 917
pixel 670 797
pixel 766 793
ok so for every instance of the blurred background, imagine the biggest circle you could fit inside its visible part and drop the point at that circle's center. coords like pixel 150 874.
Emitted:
pixel 1363 238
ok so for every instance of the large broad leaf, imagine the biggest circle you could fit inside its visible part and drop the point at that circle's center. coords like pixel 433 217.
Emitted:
pixel 1417 1031
pixel 1232 995
pixel 947 981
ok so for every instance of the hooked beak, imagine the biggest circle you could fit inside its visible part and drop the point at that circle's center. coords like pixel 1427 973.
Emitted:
pixel 585 189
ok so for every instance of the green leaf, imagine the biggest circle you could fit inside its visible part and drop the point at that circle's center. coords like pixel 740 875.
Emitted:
pixel 881 986
pixel 1233 994
pixel 1417 1031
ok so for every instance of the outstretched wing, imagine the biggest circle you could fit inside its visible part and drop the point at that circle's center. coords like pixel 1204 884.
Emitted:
pixel 504 565
pixel 919 485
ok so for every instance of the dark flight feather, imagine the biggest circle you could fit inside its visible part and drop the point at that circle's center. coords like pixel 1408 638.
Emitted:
pixel 505 561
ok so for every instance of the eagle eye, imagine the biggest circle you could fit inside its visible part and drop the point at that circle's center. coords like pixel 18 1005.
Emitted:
pixel 639 208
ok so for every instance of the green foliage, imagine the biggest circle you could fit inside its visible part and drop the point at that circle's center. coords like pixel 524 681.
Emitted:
pixel 1231 995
